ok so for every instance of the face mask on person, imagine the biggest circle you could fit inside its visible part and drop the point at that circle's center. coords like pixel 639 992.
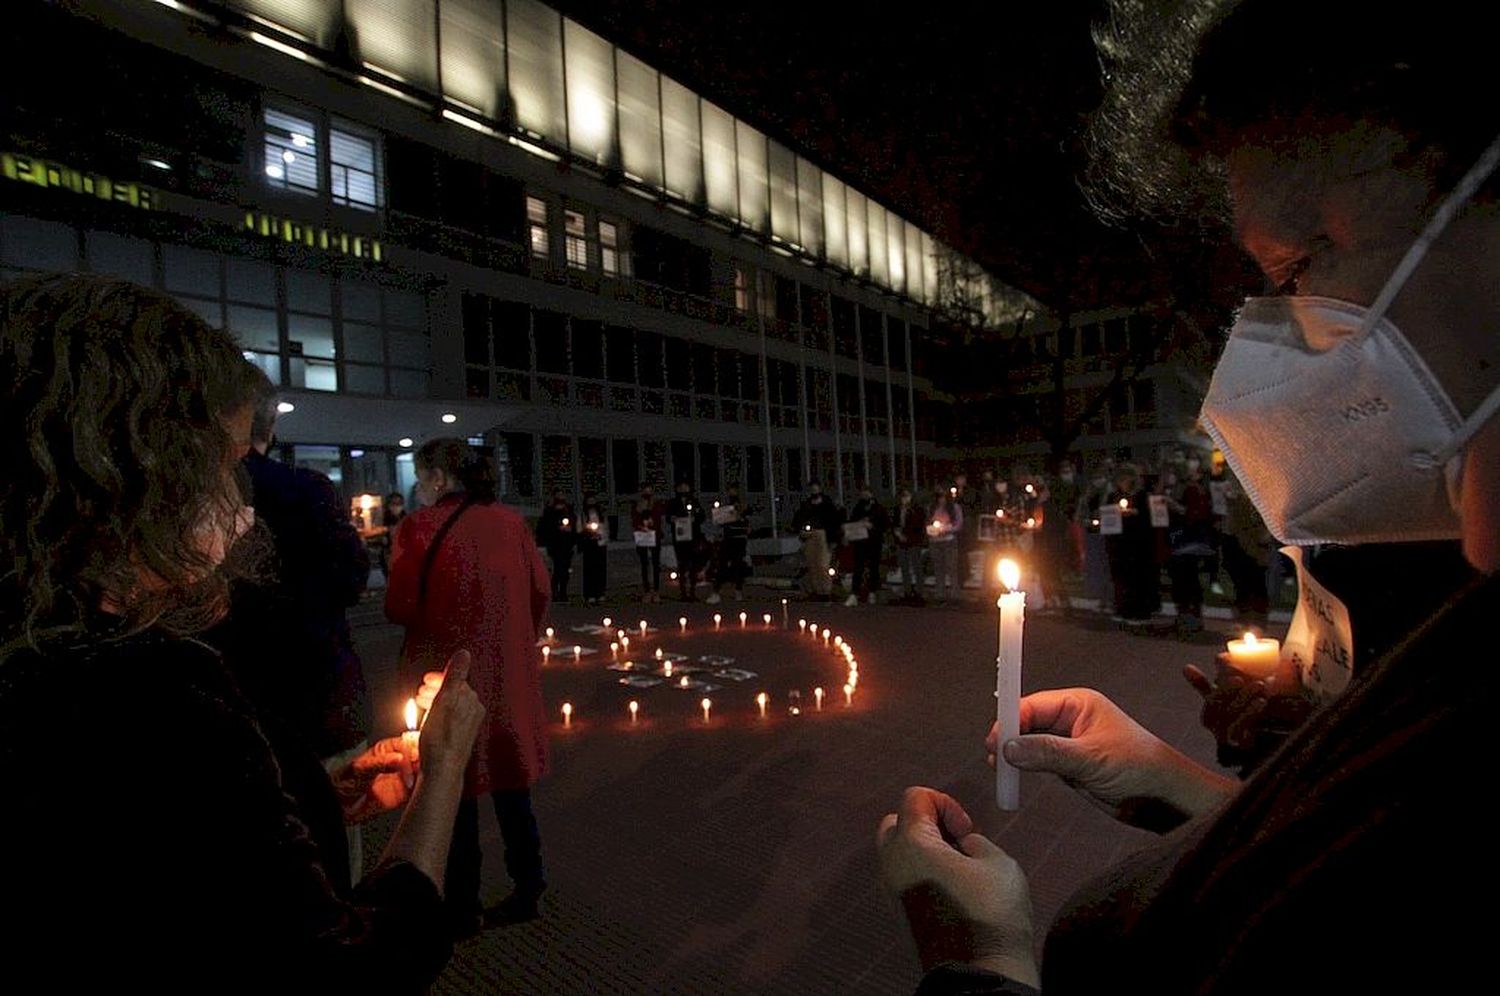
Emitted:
pixel 1332 422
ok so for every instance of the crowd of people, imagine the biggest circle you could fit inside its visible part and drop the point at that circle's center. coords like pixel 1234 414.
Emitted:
pixel 1356 405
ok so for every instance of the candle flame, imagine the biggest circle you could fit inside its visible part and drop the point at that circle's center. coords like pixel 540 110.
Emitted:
pixel 658 653
pixel 607 622
pixel 1124 503
pixel 577 652
pixel 825 632
pixel 1010 573
pixel 684 681
pixel 411 714
pixel 706 704
pixel 999 513
pixel 743 617
pixel 567 709
pixel 1249 639
pixel 666 669
pixel 802 624
pixel 366 502
pixel 682 621
pixel 634 708
pixel 766 618
pixel 717 618
pixel 761 701
pixel 550 631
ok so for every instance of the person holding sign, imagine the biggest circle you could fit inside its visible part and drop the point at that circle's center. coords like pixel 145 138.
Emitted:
pixel 865 534
pixel 734 539
pixel 646 514
pixel 685 521
pixel 1359 405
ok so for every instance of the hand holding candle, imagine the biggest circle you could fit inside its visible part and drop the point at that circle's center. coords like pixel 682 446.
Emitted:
pixel 411 740
pixel 1255 657
pixel 1012 607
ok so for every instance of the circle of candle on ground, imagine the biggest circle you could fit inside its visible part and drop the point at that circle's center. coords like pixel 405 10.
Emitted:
pixel 838 641
pixel 848 695
pixel 635 707
pixel 567 711
pixel 625 642
pixel 614 650
pixel 826 632
pixel 706 704
pixel 802 625
pixel 761 700
pixel 818 697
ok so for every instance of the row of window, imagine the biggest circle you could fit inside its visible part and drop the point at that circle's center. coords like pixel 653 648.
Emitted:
pixel 305 152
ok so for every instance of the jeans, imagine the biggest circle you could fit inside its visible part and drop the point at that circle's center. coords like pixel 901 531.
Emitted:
pixel 866 566
pixel 910 558
pixel 562 569
pixel 650 557
pixel 523 850
pixel 945 566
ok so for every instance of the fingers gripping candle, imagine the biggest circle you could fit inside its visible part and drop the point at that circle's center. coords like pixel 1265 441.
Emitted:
pixel 1012 606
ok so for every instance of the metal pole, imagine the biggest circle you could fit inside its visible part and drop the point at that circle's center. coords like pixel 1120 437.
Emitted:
pixel 765 396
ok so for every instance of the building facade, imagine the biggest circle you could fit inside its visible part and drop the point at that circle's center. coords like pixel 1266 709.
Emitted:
pixel 477 218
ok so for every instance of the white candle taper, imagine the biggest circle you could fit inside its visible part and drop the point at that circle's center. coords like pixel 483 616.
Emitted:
pixel 1012 607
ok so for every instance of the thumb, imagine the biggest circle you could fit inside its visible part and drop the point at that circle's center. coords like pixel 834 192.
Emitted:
pixel 1198 680
pixel 1045 752
pixel 457 671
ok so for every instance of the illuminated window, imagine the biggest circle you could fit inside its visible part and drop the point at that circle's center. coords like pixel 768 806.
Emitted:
pixel 291 152
pixel 609 248
pixel 536 222
pixel 576 240
pixel 741 290
pixel 354 169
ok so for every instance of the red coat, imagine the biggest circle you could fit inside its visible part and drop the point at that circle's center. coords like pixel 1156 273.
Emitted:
pixel 487 594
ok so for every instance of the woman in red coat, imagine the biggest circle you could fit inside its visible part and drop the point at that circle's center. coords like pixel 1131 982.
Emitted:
pixel 465 572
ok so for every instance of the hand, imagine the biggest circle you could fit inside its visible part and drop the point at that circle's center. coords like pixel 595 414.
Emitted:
pixel 432 682
pixel 965 899
pixel 1249 717
pixel 1089 742
pixel 453 722
pixel 378 780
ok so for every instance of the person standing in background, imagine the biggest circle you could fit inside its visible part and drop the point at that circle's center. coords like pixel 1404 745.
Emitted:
pixel 593 542
pixel 815 519
pixel 870 516
pixel 557 532
pixel 646 516
pixel 911 539
pixel 734 541
pixel 943 530
pixel 685 520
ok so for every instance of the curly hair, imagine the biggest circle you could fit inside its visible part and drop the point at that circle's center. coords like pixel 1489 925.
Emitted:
pixel 118 464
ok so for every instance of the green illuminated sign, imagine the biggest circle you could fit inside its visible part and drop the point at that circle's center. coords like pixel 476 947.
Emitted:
pixel 312 236
pixel 56 176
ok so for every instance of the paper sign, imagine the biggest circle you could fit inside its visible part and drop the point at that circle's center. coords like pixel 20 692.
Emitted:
pixel 682 530
pixel 645 538
pixel 1320 640
pixel 724 513
pixel 1218 493
pixel 1159 515
pixel 1111 520
pixel 855 531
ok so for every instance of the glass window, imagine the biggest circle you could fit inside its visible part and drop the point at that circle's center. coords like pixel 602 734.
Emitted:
pixel 703 368
pixel 609 248
pixel 729 373
pixel 250 280
pixel 682 139
pixel 269 364
pixel 590 67
pixel 188 270
pixel 649 345
pixel 408 383
pixel 354 168
pixel 679 370
pixel 536 222
pixel 473 53
pixel 856 214
pixel 835 221
pixel 794 468
pixel 810 206
pixel 312 337
pixel 708 467
pixel 406 308
pixel 754 194
pixel 364 380
pixel 551 341
pixel 576 244
pixel 640 119
pixel 719 160
pixel 895 337
pixel 475 312
pixel 408 349
pixel 129 259
pixel 682 462
pixel 323 459
pixel 755 468
pixel 308 291
pixel 534 46
pixel 361 302
pixel 47 245
pixel 741 290
pixel 880 260
pixel 588 348
pixel 512 334
pixel 254 328
pixel 620 343
pixel 365 343
pixel 783 173
pixel 315 375
pixel 517 453
pixel 625 468
pixel 291 152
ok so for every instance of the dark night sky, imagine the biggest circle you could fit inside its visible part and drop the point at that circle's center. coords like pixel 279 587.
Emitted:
pixel 962 117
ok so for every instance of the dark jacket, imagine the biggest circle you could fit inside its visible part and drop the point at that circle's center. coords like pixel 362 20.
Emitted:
pixel 822 515
pixel 287 639
pixel 684 507
pixel 911 525
pixel 869 508
pixel 557 539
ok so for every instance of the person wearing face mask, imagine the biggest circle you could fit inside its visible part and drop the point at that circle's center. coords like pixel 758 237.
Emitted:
pixel 593 543
pixel 869 515
pixel 1359 407
pixel 684 518
pixel 732 566
pixel 646 517
pixel 911 540
pixel 557 533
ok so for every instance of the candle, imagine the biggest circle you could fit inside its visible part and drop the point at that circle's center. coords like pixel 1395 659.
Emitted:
pixel 411 739
pixel 848 696
pixel 625 643
pixel 826 632
pixel 838 641
pixel 673 576
pixel 682 623
pixel 577 652
pixel 818 698
pixel 566 523
pixel 706 705
pixel 786 619
pixel 635 707
pixel 761 700
pixel 614 651
pixel 1257 658
pixel 607 622
pixel 546 653
pixel 766 619
pixel 550 631
pixel 643 629
pixel 658 653
pixel 619 634
pixel 1012 607
pixel 743 617
pixel 801 625
pixel 567 711
pixel 833 573
pixel 685 681
pixel 717 619
pixel 666 669
pixel 1124 504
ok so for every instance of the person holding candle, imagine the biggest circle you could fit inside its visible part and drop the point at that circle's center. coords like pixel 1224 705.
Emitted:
pixel 942 533
pixel 732 564
pixel 684 518
pixel 593 543
pixel 1359 406
pixel 465 571
pixel 646 517
pixel 122 511
pixel 911 540
pixel 816 522
pixel 557 533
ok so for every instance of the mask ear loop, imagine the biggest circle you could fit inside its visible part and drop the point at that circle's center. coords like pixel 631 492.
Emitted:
pixel 1477 175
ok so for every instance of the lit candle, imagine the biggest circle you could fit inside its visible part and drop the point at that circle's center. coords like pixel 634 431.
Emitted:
pixel 833 573
pixel 566 523
pixel 717 619
pixel 411 739
pixel 766 619
pixel 643 629
pixel 743 617
pixel 1256 657
pixel 838 641
pixel 682 623
pixel 550 632
pixel 685 682
pixel 625 643
pixel 546 653
pixel 614 651
pixel 619 634
pixel 801 626
pixel 818 698
pixel 567 712
pixel 658 653
pixel 607 622
pixel 786 619
pixel 848 696
pixel 706 705
pixel 1124 504
pixel 635 707
pixel 673 576
pixel 761 701
pixel 577 652
pixel 1012 607
pixel 666 669
pixel 826 633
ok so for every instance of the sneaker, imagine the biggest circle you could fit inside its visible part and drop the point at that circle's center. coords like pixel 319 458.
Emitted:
pixel 851 601
pixel 713 599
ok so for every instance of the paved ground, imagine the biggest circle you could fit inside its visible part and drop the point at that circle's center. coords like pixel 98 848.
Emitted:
pixel 736 856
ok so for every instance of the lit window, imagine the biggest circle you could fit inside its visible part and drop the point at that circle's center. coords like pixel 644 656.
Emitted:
pixel 576 236
pixel 609 248
pixel 354 169
pixel 291 152
pixel 741 291
pixel 536 220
